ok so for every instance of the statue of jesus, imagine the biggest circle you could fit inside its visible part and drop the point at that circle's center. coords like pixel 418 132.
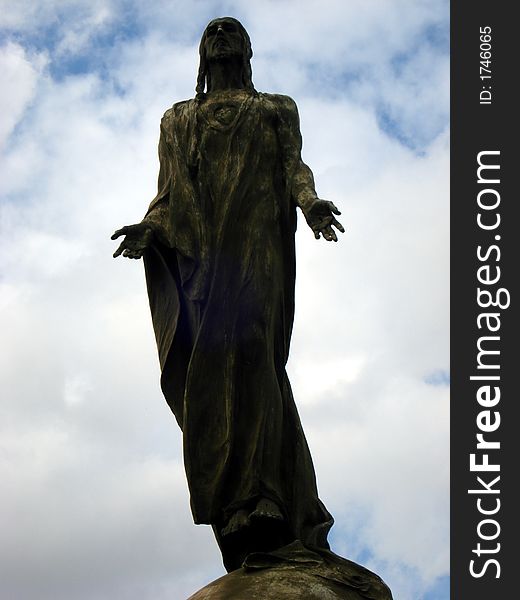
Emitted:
pixel 219 254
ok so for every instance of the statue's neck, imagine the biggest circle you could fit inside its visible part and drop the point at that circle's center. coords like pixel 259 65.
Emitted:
pixel 226 75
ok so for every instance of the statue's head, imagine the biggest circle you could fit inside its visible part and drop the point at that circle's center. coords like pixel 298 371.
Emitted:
pixel 224 39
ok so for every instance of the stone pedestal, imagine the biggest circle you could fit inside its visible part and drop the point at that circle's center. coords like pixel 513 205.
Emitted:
pixel 296 573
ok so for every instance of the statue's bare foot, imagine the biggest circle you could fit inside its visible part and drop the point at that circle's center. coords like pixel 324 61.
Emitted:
pixel 239 521
pixel 266 509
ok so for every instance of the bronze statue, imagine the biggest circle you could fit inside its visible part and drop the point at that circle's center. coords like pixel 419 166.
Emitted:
pixel 219 253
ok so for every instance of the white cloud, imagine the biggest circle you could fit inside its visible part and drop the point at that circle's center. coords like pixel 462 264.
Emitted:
pixel 18 80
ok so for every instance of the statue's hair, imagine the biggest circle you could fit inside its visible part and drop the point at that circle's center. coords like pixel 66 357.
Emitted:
pixel 204 76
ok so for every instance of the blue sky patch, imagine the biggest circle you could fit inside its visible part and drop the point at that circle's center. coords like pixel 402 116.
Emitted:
pixel 438 377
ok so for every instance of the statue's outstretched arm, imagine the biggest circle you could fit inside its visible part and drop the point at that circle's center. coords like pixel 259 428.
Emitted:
pixel 318 213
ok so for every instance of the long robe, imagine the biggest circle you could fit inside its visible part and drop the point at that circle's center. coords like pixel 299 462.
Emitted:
pixel 220 281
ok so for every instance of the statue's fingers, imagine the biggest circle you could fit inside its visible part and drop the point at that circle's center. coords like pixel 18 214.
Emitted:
pixel 119 232
pixel 338 225
pixel 329 235
pixel 119 250
pixel 137 248
pixel 315 227
pixel 334 208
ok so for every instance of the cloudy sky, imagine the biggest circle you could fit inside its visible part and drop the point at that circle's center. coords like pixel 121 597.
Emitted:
pixel 93 499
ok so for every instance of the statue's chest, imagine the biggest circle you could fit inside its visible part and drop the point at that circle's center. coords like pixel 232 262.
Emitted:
pixel 222 114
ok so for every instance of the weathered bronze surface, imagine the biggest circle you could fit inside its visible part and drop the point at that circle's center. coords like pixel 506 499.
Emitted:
pixel 219 253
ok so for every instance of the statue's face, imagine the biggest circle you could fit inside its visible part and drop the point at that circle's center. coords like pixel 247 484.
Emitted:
pixel 223 40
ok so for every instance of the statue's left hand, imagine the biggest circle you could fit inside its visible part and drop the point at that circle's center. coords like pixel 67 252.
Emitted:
pixel 320 218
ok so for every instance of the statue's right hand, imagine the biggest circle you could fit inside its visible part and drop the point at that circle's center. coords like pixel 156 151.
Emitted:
pixel 137 238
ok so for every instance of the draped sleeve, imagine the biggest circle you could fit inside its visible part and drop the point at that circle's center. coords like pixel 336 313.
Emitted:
pixel 299 176
pixel 157 215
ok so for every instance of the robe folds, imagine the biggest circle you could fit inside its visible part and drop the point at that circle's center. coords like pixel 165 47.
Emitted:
pixel 220 279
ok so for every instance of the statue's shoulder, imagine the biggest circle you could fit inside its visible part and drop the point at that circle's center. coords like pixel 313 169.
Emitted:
pixel 279 102
pixel 178 110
